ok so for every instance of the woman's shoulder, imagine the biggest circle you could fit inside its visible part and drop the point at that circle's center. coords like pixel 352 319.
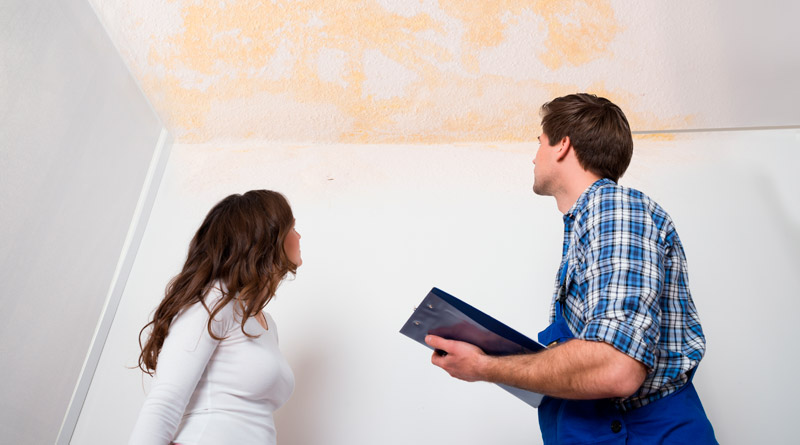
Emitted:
pixel 214 295
pixel 224 318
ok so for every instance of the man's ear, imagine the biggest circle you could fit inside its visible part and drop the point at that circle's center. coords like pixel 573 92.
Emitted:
pixel 564 147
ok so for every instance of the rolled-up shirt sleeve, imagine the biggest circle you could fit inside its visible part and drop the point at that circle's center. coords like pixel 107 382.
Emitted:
pixel 622 272
pixel 181 363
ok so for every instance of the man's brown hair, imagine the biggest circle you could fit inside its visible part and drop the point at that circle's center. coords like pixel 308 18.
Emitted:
pixel 597 129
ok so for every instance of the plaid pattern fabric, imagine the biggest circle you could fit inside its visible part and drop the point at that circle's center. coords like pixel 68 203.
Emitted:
pixel 627 285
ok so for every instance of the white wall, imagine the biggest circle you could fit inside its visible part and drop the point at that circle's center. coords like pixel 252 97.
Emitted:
pixel 76 140
pixel 382 224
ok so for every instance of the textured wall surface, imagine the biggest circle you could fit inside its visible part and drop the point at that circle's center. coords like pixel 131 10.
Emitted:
pixel 76 140
pixel 426 71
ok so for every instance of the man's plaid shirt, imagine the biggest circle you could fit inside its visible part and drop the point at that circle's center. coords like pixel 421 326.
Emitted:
pixel 627 285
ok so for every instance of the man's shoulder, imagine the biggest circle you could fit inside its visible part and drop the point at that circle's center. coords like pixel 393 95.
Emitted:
pixel 613 196
pixel 615 202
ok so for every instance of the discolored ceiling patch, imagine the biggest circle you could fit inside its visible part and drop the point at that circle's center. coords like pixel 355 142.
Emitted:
pixel 404 71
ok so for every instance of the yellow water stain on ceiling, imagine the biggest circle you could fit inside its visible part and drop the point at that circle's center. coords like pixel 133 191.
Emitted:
pixel 484 20
pixel 229 53
pixel 654 137
pixel 249 57
pixel 579 31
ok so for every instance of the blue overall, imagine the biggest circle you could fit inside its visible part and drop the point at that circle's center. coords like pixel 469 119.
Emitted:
pixel 678 418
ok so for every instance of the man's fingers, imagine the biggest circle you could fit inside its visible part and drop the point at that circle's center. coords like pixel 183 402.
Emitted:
pixel 434 341
pixel 441 345
pixel 438 345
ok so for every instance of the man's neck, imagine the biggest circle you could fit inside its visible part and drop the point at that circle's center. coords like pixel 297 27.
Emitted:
pixel 573 189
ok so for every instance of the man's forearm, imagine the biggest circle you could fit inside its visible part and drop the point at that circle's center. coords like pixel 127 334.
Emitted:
pixel 577 369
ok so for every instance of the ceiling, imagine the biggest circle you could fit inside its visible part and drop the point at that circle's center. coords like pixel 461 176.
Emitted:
pixel 426 71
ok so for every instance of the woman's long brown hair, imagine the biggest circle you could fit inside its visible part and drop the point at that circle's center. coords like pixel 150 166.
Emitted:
pixel 240 246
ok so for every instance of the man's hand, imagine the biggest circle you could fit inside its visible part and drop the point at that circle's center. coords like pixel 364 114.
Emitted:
pixel 461 360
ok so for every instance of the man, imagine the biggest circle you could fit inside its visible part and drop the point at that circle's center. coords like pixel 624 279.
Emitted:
pixel 624 338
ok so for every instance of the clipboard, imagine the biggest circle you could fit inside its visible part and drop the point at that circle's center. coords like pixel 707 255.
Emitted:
pixel 446 316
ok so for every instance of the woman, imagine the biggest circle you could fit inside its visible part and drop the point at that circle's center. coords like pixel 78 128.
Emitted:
pixel 219 374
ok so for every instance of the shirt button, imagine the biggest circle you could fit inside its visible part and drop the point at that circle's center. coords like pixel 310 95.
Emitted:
pixel 616 426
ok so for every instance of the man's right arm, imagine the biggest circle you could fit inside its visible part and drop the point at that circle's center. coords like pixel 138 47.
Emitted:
pixel 577 369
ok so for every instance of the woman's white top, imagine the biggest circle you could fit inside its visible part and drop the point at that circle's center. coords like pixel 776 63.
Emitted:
pixel 208 391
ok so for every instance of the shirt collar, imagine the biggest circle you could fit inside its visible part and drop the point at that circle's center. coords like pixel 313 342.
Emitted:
pixel 584 198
